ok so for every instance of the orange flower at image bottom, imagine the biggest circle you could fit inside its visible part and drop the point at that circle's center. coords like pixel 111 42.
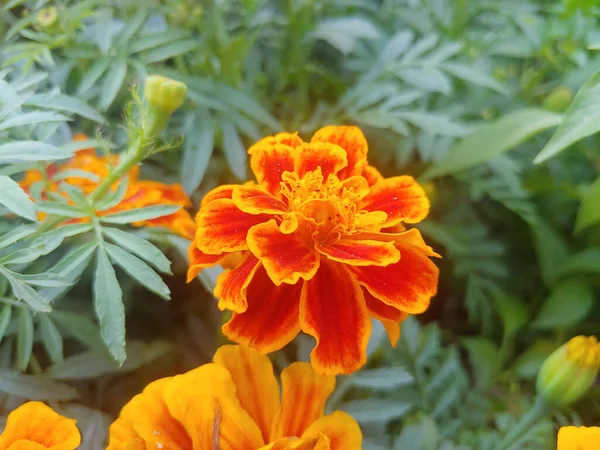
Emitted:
pixel 235 403
pixel 579 438
pixel 35 426
pixel 140 193
pixel 319 247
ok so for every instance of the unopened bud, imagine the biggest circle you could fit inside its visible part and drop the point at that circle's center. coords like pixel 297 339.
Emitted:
pixel 164 93
pixel 47 18
pixel 569 372
pixel 559 99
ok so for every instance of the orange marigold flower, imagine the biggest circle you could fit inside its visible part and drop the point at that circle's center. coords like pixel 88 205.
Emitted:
pixel 579 438
pixel 322 244
pixel 140 193
pixel 35 426
pixel 235 403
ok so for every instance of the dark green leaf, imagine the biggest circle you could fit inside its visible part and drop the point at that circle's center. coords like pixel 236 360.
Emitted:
pixel 51 338
pixel 34 387
pixel 589 210
pixel 568 304
pixel 82 329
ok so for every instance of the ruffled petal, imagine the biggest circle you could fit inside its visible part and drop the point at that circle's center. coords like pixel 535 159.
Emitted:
pixel 578 438
pixel 303 398
pixel 269 161
pixel 26 445
pixel 320 442
pixel 147 414
pixel 342 430
pixel 407 285
pixel 401 198
pixel 271 320
pixel 256 385
pixel 390 317
pixel 200 260
pixel 360 252
pixel 204 401
pixel 285 257
pixel 333 311
pixel 256 200
pixel 122 436
pixel 222 227
pixel 330 158
pixel 289 139
pixel 39 424
pixel 223 191
pixel 352 140
pixel 231 285
pixel 372 175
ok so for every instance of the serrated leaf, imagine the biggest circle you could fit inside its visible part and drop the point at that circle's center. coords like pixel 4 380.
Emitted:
pixel 140 214
pixel 580 120
pixel 140 247
pixel 589 209
pixel 34 387
pixel 15 199
pixel 376 410
pixel 108 303
pixel 381 378
pixel 24 339
pixel 569 303
pixel 493 139
pixel 112 83
pixel 51 338
pixel 30 151
pixel 234 150
pixel 139 270
pixel 113 198
pixel 41 279
pixel 66 103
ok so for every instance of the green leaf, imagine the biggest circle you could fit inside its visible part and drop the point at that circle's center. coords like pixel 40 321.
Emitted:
pixel 589 210
pixel 24 339
pixel 65 231
pixel 139 270
pixel 16 234
pixel 30 151
pixel 376 410
pixel 470 75
pixel 169 50
pixel 24 292
pixel 140 247
pixel 551 250
pixel 484 358
pixel 15 199
pixel 65 103
pixel 381 378
pixel 493 139
pixel 108 302
pixel 568 304
pixel 61 209
pixel 41 279
pixel 92 75
pixel 112 83
pixel 76 173
pixel 512 312
pixel 140 214
pixel 528 364
pixel 31 118
pixel 197 152
pixel 34 387
pixel 435 124
pixel 51 338
pixel 156 40
pixel 5 316
pixel 235 152
pixel 585 262
pixel 82 329
pixel 581 119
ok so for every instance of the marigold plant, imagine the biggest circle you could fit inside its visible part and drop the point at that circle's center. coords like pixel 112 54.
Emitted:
pixel 35 426
pixel 321 247
pixel 235 403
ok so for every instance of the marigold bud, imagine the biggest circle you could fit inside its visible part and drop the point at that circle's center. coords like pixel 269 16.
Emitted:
pixel 164 93
pixel 47 17
pixel 569 372
pixel 559 99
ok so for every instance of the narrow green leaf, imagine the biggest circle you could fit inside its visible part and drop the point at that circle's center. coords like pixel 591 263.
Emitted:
pixel 492 139
pixel 16 234
pixel 15 199
pixel 66 103
pixel 156 39
pixel 51 338
pixel 77 257
pixel 113 81
pixel 41 279
pixel 139 270
pixel 24 292
pixel 5 316
pixel 168 51
pixel 376 410
pixel 140 247
pixel 113 198
pixel 92 75
pixel 76 173
pixel 471 75
pixel 585 262
pixel 567 305
pixel 108 302
pixel 140 214
pixel 381 378
pixel 30 151
pixel 235 152
pixel 34 387
pixel 483 355
pixel 31 118
pixel 435 124
pixel 581 119
pixel 61 209
pixel 24 339
pixel 589 210
pixel 197 152
pixel 65 231
pixel 82 329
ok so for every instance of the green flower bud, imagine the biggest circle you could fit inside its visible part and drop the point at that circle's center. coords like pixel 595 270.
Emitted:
pixel 559 99
pixel 569 372
pixel 164 93
pixel 47 18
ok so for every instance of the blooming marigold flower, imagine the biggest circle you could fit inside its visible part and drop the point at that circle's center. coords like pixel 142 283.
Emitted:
pixel 578 438
pixel 235 403
pixel 570 371
pixel 140 193
pixel 323 247
pixel 35 426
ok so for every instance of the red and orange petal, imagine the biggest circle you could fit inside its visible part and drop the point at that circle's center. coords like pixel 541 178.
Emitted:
pixel 256 200
pixel 268 163
pixel 352 140
pixel 330 158
pixel 372 175
pixel 232 284
pixel 285 257
pixel 199 260
pixel 360 252
pixel 401 198
pixel 407 285
pixel 333 311
pixel 224 191
pixel 340 428
pixel 390 317
pixel 35 425
pixel 289 139
pixel 222 227
pixel 272 318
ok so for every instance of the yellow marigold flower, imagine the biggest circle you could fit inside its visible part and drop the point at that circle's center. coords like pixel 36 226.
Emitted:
pixel 235 403
pixel 140 193
pixel 579 438
pixel 35 426
pixel 569 372
pixel 324 247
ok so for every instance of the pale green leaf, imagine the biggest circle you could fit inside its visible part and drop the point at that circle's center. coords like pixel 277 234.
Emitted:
pixel 30 118
pixel 51 338
pixel 197 152
pixel 381 378
pixel 112 83
pixel 65 103
pixel 235 152
pixel 5 316
pixel 140 247
pixel 376 410
pixel 140 214
pixel 30 151
pixel 24 339
pixel 15 199
pixel 34 387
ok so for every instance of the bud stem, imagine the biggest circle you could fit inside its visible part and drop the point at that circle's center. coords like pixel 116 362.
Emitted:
pixel 537 411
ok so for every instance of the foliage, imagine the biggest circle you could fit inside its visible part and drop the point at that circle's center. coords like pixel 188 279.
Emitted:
pixel 493 106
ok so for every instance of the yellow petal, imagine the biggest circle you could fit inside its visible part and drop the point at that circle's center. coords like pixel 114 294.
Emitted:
pixel 342 430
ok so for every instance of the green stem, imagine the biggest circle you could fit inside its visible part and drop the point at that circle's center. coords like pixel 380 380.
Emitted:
pixel 537 411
